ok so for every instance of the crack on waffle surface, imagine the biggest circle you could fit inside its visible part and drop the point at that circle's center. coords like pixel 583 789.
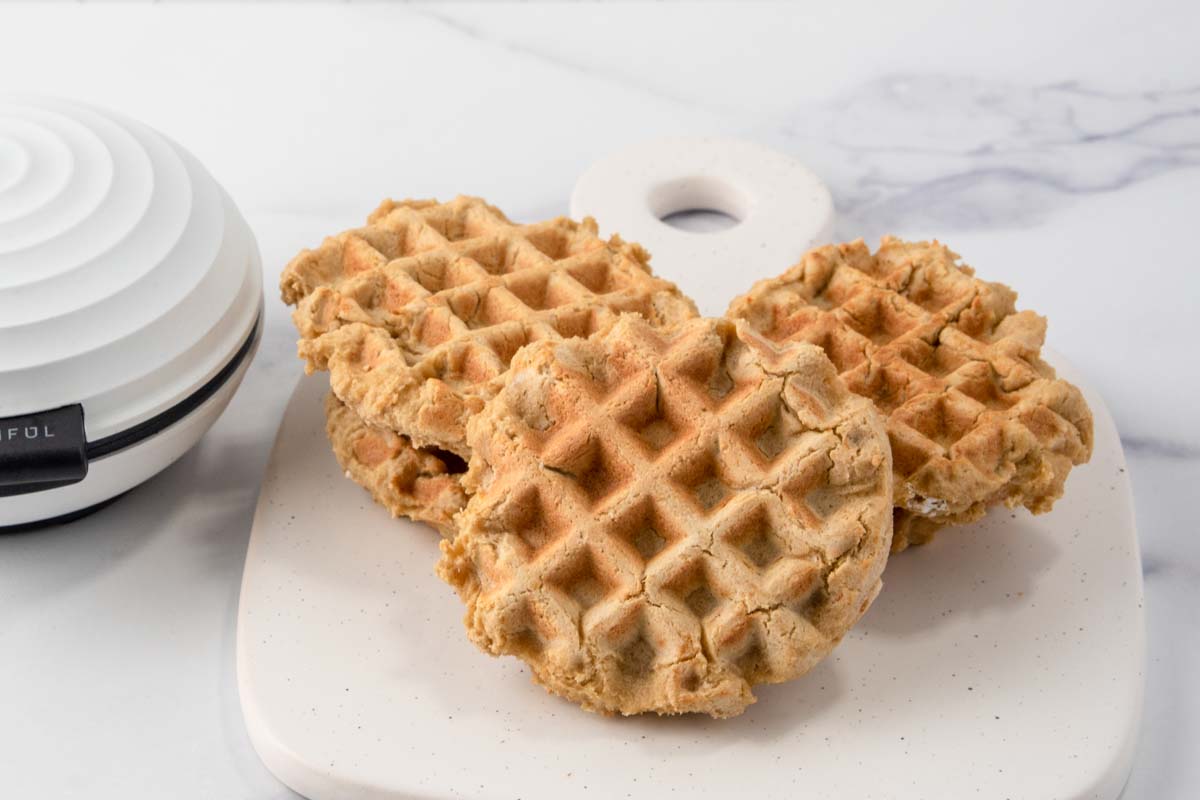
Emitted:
pixel 418 315
pixel 678 573
pixel 422 483
pixel 975 417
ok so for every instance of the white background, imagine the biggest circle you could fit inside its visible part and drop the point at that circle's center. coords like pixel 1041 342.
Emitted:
pixel 1054 145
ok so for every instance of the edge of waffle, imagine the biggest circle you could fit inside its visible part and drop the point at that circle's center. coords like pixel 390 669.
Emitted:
pixel 424 485
pixel 661 520
pixel 974 414
pixel 417 315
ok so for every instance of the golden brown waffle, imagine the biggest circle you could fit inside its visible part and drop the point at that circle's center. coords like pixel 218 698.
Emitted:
pixel 975 416
pixel 661 520
pixel 417 315
pixel 422 484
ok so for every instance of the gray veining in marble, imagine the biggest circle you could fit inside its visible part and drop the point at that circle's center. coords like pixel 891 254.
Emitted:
pixel 959 153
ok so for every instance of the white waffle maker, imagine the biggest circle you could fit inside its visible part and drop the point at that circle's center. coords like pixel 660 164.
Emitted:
pixel 130 306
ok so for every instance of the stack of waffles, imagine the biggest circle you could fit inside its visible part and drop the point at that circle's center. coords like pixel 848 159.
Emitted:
pixel 658 511
pixel 417 317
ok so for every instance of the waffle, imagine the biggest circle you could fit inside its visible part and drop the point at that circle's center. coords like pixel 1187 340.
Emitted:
pixel 661 520
pixel 417 315
pixel 424 484
pixel 974 415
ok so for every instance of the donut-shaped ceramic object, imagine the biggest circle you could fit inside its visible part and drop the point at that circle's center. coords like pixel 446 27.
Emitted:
pixel 780 206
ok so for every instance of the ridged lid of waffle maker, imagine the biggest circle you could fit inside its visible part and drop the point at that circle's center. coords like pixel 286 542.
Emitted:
pixel 128 279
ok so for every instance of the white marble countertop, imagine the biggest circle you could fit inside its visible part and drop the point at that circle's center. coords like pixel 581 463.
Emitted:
pixel 1055 145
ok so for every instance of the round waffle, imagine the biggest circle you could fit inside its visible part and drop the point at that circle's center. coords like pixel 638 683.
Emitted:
pixel 660 520
pixel 417 315
pixel 974 415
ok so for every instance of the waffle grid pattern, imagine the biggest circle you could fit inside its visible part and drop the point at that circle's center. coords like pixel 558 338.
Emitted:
pixel 417 315
pixel 672 526
pixel 975 416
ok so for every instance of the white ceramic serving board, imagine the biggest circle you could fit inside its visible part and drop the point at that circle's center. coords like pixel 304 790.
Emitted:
pixel 1003 660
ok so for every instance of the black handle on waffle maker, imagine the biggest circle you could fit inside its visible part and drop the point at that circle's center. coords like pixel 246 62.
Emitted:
pixel 42 450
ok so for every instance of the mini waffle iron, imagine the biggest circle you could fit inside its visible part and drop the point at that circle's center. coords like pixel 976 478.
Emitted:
pixel 130 306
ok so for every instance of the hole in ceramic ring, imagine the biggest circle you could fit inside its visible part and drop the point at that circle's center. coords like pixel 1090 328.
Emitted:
pixel 699 204
pixel 700 220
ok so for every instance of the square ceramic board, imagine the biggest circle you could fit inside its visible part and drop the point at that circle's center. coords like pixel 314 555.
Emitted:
pixel 1003 660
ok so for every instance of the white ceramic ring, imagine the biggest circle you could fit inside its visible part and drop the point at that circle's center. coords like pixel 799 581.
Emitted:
pixel 782 209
